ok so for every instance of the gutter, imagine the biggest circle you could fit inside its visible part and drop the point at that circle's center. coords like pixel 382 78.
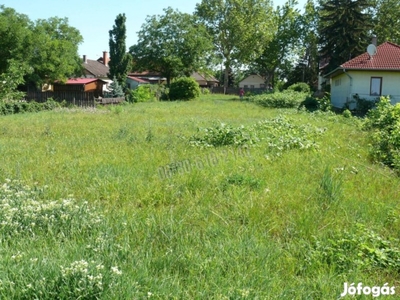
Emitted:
pixel 351 82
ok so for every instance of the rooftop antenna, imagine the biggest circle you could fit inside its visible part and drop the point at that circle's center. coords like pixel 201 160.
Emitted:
pixel 371 49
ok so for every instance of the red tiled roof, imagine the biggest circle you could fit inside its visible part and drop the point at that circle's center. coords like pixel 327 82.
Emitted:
pixel 80 80
pixel 387 57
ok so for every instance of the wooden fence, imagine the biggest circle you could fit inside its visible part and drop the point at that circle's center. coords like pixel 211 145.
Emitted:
pixel 76 98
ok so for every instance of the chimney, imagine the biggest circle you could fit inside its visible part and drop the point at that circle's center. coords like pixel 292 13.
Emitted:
pixel 84 59
pixel 105 58
pixel 373 41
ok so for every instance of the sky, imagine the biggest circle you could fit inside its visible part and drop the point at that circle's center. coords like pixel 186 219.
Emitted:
pixel 95 18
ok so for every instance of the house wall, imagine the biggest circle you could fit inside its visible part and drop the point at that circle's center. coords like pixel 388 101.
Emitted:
pixel 252 80
pixel 133 84
pixel 341 86
pixel 361 84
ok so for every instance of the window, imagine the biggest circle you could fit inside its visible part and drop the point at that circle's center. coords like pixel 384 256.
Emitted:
pixel 376 86
pixel 252 86
pixel 262 85
pixel 338 82
pixel 246 86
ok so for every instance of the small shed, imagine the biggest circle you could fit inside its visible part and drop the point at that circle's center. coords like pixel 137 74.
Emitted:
pixel 81 85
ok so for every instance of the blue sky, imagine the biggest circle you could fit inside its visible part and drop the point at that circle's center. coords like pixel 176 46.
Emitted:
pixel 95 18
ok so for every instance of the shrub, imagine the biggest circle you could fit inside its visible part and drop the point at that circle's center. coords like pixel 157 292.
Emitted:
pixel 384 124
pixel 286 99
pixel 184 88
pixel 300 87
pixel 364 105
pixel 346 113
pixel 141 94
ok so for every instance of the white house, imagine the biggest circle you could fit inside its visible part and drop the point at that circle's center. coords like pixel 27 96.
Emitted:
pixel 369 76
pixel 252 81
pixel 133 82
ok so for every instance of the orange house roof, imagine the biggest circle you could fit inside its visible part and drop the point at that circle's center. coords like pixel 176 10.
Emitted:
pixel 387 58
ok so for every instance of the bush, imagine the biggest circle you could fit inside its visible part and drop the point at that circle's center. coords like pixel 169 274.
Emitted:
pixel 312 103
pixel 286 99
pixel 300 87
pixel 184 88
pixel 384 124
pixel 16 107
pixel 141 94
pixel 346 113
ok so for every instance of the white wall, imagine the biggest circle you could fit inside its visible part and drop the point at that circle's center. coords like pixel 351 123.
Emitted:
pixel 254 80
pixel 361 84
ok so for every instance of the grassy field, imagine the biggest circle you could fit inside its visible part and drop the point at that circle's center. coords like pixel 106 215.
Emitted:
pixel 87 210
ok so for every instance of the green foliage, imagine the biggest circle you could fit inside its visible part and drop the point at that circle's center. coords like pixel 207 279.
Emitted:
pixel 142 93
pixel 173 44
pixel 363 249
pixel 384 126
pixel 120 61
pixel 16 107
pixel 285 99
pixel 234 25
pixel 10 80
pixel 56 51
pixel 330 189
pixel 343 30
pixel 363 105
pixel 312 103
pixel 277 134
pixel 184 88
pixel 300 87
pixel 47 50
pixel 116 90
pixel 27 216
pixel 386 21
pixel 346 113
pixel 277 53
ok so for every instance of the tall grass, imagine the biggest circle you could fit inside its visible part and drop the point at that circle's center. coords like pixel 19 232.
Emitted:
pixel 243 227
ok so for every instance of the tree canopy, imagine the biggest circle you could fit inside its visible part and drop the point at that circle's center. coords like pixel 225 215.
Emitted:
pixel 238 28
pixel 172 44
pixel 279 51
pixel 345 27
pixel 120 60
pixel 47 50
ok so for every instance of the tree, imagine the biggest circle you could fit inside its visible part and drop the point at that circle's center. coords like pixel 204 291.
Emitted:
pixel 344 30
pixel 55 51
pixel 387 21
pixel 47 50
pixel 120 60
pixel 16 38
pixel 307 67
pixel 239 28
pixel 280 50
pixel 171 44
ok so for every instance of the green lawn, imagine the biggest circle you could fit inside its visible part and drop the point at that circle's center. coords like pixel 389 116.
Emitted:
pixel 265 223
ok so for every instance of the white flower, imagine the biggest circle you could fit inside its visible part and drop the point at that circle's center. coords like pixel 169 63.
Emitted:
pixel 116 271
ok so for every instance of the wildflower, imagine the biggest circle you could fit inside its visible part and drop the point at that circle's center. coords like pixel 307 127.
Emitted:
pixel 116 271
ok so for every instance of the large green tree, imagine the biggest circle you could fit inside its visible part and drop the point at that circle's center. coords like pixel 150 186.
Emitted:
pixel 15 37
pixel 55 51
pixel 344 30
pixel 120 60
pixel 46 50
pixel 172 44
pixel 279 52
pixel 307 66
pixel 387 20
pixel 239 29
